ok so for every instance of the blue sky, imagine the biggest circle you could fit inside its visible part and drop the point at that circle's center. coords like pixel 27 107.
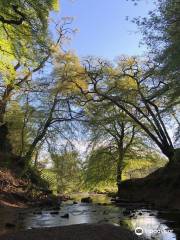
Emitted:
pixel 102 25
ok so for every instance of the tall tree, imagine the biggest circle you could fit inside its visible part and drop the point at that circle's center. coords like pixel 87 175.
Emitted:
pixel 111 129
pixel 161 30
pixel 131 86
pixel 24 47
pixel 66 166
pixel 54 102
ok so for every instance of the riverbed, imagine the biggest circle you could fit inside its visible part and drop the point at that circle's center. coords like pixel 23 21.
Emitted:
pixel 151 223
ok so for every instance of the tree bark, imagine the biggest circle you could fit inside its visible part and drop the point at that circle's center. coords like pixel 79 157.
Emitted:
pixel 166 148
pixel 5 145
pixel 42 133
pixel 119 168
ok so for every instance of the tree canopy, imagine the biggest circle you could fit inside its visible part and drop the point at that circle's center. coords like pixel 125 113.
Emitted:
pixel 53 102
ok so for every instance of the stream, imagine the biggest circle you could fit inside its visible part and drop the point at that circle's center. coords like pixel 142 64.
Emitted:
pixel 152 224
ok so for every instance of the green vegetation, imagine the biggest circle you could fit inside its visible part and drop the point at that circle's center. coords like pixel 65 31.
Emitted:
pixel 66 167
pixel 51 101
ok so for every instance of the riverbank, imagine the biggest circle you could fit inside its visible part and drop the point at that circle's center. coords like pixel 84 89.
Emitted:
pixel 14 220
pixel 12 189
pixel 21 192
pixel 75 232
pixel 161 189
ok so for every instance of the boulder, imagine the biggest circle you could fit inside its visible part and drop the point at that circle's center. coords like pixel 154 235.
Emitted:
pixel 87 200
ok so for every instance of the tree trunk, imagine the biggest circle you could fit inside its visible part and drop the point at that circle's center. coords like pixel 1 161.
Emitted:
pixel 5 146
pixel 42 133
pixel 159 135
pixel 29 154
pixel 119 169
pixel 169 152
pixel 174 158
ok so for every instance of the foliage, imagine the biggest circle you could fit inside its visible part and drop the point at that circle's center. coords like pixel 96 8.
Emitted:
pixel 139 100
pixel 49 176
pixel 14 118
pixel 100 168
pixel 66 167
pixel 162 34
pixel 23 34
pixel 127 107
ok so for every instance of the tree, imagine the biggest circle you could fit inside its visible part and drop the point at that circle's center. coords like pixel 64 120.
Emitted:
pixel 131 86
pixel 15 117
pixel 100 169
pixel 24 34
pixel 161 32
pixel 66 166
pixel 111 129
pixel 54 103
pixel 25 47
pixel 100 166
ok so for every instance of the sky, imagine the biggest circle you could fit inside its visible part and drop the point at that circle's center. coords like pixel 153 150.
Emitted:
pixel 102 26
pixel 103 30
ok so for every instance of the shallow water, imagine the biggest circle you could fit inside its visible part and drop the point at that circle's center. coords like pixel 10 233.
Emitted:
pixel 150 223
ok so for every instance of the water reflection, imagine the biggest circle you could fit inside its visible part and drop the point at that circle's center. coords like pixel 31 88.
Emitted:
pixel 78 214
pixel 152 226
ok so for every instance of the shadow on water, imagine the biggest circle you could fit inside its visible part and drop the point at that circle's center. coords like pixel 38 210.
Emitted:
pixel 153 224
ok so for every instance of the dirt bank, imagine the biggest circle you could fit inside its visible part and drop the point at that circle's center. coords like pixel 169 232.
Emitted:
pixel 13 190
pixel 161 188
pixel 21 192
pixel 75 232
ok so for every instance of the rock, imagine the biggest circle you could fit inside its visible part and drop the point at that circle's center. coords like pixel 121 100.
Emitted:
pixel 74 202
pixel 87 200
pixel 10 225
pixel 104 204
pixel 113 199
pixel 151 214
pixel 64 198
pixel 50 201
pixel 54 213
pixel 65 215
pixel 56 208
pixel 126 212
pixel 37 213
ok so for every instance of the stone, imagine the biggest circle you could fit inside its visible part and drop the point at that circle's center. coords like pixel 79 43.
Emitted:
pixel 87 200
pixel 65 215
pixel 126 212
pixel 54 213
pixel 10 225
